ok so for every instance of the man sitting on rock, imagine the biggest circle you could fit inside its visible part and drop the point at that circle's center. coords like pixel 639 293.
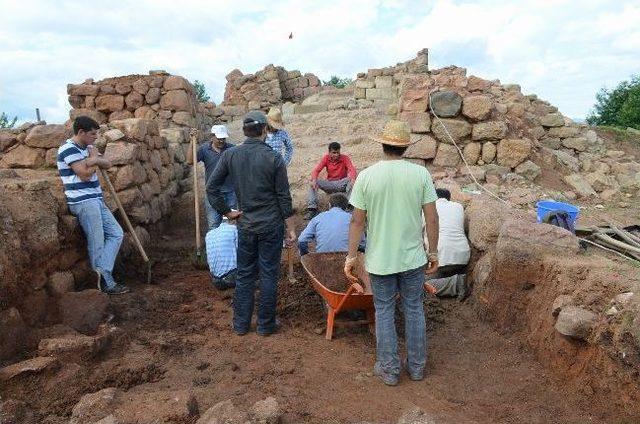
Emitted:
pixel 78 160
pixel 209 154
pixel 453 248
pixel 341 174
pixel 330 229
pixel 222 248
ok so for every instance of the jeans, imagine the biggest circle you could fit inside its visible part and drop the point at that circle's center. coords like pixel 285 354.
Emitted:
pixel 257 254
pixel 385 288
pixel 213 217
pixel 337 186
pixel 104 236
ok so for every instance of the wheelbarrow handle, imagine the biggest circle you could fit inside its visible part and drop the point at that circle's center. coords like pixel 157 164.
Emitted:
pixel 353 287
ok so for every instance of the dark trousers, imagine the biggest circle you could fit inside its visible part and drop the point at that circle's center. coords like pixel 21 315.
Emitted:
pixel 257 254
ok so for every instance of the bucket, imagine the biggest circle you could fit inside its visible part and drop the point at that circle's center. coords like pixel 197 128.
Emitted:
pixel 543 207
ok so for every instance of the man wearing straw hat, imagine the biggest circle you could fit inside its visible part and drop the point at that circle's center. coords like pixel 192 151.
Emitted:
pixel 277 138
pixel 391 198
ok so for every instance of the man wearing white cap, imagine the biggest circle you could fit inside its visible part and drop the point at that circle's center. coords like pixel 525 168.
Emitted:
pixel 209 153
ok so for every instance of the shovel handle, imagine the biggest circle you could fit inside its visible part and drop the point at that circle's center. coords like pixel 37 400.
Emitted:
pixel 196 200
pixel 136 240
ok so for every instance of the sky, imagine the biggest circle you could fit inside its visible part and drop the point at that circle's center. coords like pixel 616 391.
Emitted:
pixel 563 51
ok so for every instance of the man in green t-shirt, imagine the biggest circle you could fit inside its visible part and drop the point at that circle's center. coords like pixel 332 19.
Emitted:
pixel 391 198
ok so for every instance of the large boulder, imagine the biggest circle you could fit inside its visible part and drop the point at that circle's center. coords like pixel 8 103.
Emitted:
pixel 524 242
pixel 95 406
pixel 446 104
pixel 109 103
pixel 47 136
pixel 575 322
pixel 485 217
pixel 12 333
pixel 176 100
pixel 121 153
pixel 458 129
pixel 492 130
pixel 23 156
pixel 477 107
pixel 579 185
pixel 133 128
pixel 419 122
pixel 447 156
pixel 512 152
pixel 84 310
pixel 414 91
pixel 424 148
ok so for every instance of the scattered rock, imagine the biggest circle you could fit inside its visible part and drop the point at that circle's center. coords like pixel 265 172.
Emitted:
pixel 223 413
pixel 416 416
pixel 575 322
pixel 96 406
pixel 30 366
pixel 84 310
pixel 559 303
pixel 580 185
pixel 529 170
pixel 266 411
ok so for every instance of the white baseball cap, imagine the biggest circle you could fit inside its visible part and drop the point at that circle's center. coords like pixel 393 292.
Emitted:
pixel 220 131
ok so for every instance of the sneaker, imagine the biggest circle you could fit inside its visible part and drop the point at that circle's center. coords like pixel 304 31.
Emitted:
pixel 118 289
pixel 311 213
pixel 388 379
pixel 413 376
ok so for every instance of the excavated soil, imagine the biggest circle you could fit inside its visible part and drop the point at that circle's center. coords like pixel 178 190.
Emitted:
pixel 176 335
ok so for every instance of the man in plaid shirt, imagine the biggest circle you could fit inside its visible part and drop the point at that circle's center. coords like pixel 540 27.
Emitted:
pixel 277 138
pixel 222 247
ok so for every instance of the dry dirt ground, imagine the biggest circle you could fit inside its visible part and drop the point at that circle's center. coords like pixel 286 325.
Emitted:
pixel 176 335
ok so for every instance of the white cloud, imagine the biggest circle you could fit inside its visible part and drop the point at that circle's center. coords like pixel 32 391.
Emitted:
pixel 562 51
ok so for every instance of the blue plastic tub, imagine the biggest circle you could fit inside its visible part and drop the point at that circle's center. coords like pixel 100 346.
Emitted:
pixel 543 207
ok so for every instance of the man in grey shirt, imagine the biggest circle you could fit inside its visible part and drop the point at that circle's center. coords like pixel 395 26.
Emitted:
pixel 259 177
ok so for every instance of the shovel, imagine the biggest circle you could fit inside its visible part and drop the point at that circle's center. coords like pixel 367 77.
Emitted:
pixel 199 261
pixel 136 240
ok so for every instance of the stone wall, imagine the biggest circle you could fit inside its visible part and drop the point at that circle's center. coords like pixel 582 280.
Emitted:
pixel 501 130
pixel 271 86
pixel 380 86
pixel 169 100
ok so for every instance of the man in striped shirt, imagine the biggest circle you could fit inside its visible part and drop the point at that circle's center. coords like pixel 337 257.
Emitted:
pixel 222 248
pixel 78 161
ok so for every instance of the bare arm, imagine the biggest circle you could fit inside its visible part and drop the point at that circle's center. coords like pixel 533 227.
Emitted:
pixel 85 169
pixel 358 221
pixel 432 227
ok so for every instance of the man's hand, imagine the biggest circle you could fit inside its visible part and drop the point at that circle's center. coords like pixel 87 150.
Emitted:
pixel 233 214
pixel 432 266
pixel 290 237
pixel 93 151
pixel 349 264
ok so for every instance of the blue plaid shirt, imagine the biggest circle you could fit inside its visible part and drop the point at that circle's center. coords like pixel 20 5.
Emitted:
pixel 222 246
pixel 281 143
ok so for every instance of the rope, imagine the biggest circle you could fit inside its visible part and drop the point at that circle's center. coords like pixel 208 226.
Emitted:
pixel 466 164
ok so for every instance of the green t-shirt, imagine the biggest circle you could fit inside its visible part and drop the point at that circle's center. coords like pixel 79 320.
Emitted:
pixel 392 193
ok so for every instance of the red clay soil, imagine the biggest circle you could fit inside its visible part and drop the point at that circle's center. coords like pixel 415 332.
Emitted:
pixel 176 335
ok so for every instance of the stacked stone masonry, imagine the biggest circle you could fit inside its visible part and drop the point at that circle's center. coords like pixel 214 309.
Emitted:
pixel 272 86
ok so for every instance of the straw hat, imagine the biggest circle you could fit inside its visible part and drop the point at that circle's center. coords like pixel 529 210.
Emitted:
pixel 274 118
pixel 395 133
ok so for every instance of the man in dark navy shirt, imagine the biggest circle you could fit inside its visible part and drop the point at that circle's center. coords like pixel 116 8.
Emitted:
pixel 259 178
pixel 209 154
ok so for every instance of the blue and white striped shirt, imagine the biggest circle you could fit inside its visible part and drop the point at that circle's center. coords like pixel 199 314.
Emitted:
pixel 222 247
pixel 281 143
pixel 75 189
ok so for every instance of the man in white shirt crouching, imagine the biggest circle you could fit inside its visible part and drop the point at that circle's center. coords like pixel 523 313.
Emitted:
pixel 453 248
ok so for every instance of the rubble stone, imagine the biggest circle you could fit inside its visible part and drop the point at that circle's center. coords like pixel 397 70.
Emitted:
pixel 492 130
pixel 47 136
pixel 575 322
pixel 512 152
pixel 477 108
pixel 457 128
pixel 446 104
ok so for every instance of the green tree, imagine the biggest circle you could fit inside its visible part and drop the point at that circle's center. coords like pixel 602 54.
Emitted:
pixel 619 107
pixel 201 91
pixel 5 122
pixel 338 82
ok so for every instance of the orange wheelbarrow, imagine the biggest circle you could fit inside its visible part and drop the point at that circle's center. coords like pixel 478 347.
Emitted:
pixel 340 294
